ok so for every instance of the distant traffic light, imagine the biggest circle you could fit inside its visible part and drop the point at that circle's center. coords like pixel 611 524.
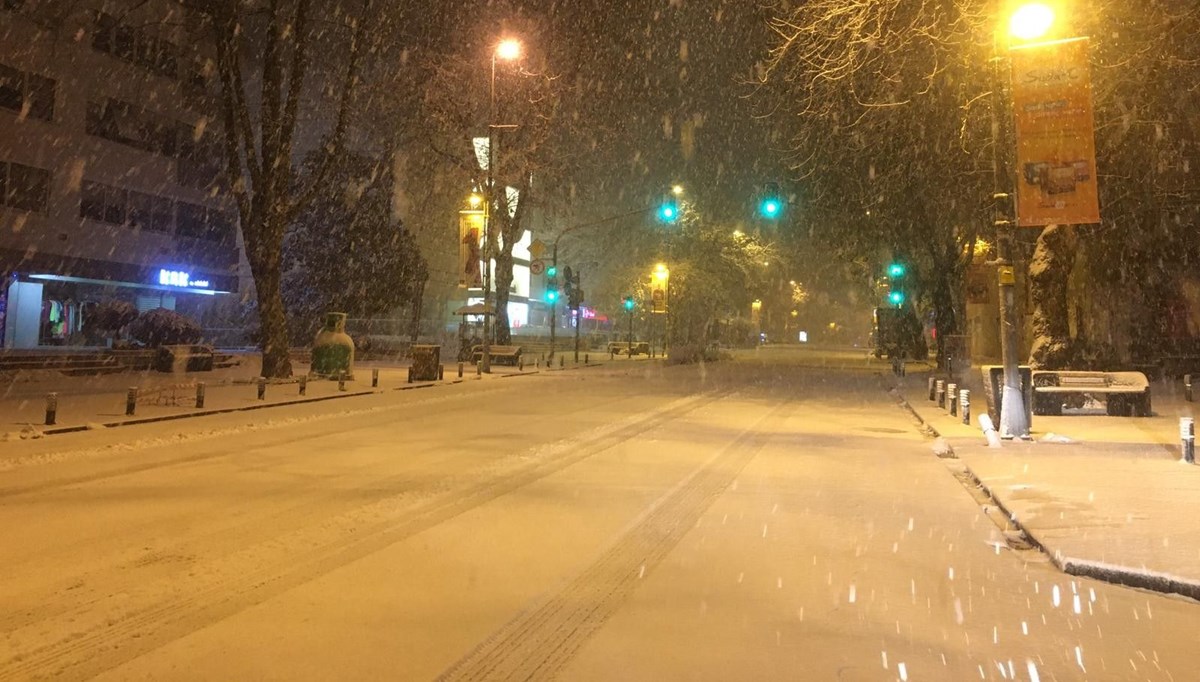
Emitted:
pixel 771 204
pixel 896 297
pixel 896 270
pixel 629 303
pixel 552 284
pixel 668 210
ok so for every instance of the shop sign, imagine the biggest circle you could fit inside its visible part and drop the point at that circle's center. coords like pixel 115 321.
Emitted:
pixel 181 278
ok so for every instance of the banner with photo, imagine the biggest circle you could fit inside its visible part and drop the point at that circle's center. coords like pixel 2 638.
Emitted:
pixel 470 249
pixel 1055 138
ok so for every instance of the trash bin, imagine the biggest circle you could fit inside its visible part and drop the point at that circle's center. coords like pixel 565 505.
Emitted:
pixel 426 362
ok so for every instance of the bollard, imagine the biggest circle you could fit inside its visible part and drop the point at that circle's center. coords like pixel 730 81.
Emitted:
pixel 520 364
pixel 262 388
pixel 375 378
pixel 562 359
pixel 303 384
pixel 479 370
pixel 131 401
pixel 940 398
pixel 1187 387
pixel 964 399
pixel 441 372
pixel 460 370
pixel 952 399
pixel 410 375
pixel 341 380
pixel 932 389
pixel 1187 438
pixel 51 408
pixel 199 395
pixel 587 358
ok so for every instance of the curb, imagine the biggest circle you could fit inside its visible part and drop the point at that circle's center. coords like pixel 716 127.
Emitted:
pixel 1082 568
pixel 245 408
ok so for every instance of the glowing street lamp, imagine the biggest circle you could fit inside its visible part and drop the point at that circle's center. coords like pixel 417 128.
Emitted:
pixel 1031 21
pixel 508 50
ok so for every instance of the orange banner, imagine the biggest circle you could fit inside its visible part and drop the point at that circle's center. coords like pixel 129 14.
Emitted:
pixel 470 249
pixel 1056 148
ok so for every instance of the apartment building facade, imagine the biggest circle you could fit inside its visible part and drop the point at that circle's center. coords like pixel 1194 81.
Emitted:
pixel 110 167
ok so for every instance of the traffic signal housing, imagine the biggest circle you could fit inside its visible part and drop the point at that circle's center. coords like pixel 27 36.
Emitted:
pixel 552 285
pixel 628 303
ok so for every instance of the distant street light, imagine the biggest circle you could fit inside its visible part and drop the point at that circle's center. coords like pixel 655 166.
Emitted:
pixel 507 50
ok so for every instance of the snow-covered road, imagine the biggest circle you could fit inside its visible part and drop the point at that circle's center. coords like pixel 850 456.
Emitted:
pixel 734 522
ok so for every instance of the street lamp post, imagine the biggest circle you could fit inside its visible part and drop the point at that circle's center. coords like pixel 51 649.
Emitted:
pixel 507 50
pixel 1029 22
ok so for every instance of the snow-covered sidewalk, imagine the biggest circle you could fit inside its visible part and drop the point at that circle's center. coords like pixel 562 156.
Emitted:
pixel 1105 496
pixel 95 401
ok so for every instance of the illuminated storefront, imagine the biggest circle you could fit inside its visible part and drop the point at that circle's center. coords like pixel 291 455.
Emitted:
pixel 42 305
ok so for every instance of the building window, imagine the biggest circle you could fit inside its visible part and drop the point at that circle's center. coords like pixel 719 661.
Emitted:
pixel 131 125
pixel 104 203
pixel 135 46
pixel 116 206
pixel 150 212
pixel 201 222
pixel 200 163
pixel 19 89
pixel 24 187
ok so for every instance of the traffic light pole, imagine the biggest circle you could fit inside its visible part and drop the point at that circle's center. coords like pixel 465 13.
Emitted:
pixel 630 337
pixel 554 303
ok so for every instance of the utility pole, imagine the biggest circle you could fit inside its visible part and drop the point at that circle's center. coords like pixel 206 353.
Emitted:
pixel 554 302
pixel 575 300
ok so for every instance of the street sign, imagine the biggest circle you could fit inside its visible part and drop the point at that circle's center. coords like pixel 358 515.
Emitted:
pixel 537 248
pixel 537 267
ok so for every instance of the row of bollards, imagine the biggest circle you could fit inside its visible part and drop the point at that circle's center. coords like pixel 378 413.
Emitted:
pixel 132 394
pixel 948 396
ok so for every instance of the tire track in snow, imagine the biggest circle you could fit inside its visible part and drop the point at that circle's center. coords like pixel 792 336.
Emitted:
pixel 539 642
pixel 92 587
pixel 172 608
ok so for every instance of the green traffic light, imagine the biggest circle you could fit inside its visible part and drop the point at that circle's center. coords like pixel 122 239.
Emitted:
pixel 896 270
pixel 552 271
pixel 896 298
pixel 551 295
pixel 629 303
pixel 770 208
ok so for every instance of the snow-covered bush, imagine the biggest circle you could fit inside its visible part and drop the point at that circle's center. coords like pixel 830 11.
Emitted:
pixel 107 318
pixel 162 327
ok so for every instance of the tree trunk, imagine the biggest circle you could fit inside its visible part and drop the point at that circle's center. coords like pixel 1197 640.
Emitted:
pixel 418 300
pixel 503 279
pixel 1049 271
pixel 264 254
pixel 945 313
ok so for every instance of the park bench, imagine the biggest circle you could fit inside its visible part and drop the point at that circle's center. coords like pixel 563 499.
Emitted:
pixel 503 355
pixel 623 348
pixel 184 358
pixel 1124 393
